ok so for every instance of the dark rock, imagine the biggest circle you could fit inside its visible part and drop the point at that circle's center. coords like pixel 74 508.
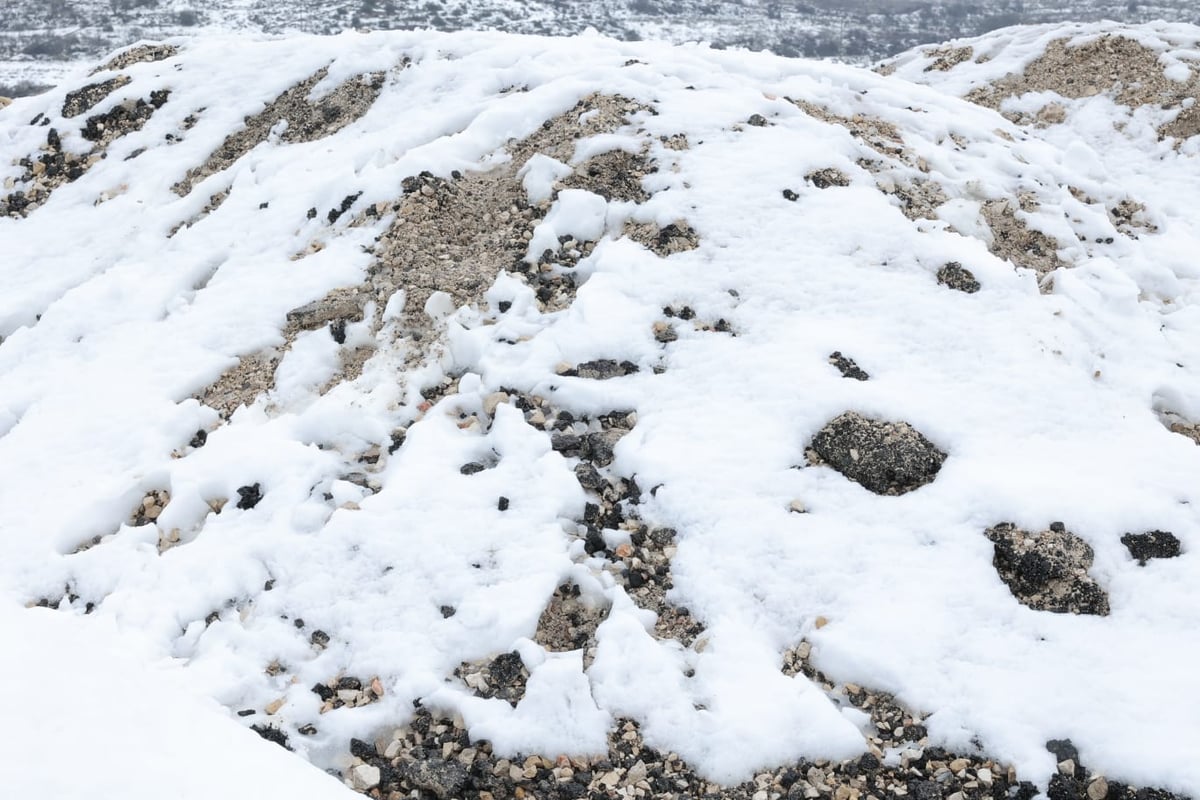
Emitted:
pixel 1047 571
pixel 924 790
pixel 247 712
pixel 1063 750
pixel 349 683
pixel 360 749
pixel 502 504
pixel 1063 787
pixel 472 468
pixel 884 457
pixel 448 611
pixel 594 542
pixel 337 329
pixel 757 120
pixel 955 276
pixel 81 100
pixel 504 306
pixel 433 774
pixel 249 496
pixel 272 734
pixel 847 367
pixel 507 668
pixel 1152 544
pixel 319 638
pixel 589 477
pixel 600 446
pixel 788 194
pixel 567 443
pixel 322 691
pixel 398 437
pixel 198 440
pixel 662 536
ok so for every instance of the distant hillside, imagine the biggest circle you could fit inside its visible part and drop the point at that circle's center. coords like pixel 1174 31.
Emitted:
pixel 481 416
pixel 38 39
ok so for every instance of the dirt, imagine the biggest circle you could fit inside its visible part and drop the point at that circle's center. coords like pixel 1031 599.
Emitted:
pixel 888 458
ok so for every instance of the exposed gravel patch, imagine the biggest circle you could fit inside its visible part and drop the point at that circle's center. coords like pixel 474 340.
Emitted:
pixel 1150 545
pixel 307 120
pixel 1048 571
pixel 829 176
pixel 1013 240
pixel 85 98
pixel 889 458
pixel 847 366
pixel 955 276
pixel 139 54
pixel 946 58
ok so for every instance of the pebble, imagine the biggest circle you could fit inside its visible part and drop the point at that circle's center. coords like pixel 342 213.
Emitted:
pixel 958 765
pixel 364 777
pixel 1097 789
pixel 1067 768
pixel 985 776
pixel 274 705
pixel 493 401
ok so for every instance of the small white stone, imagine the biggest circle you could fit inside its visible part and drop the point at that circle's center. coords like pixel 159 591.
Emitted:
pixel 364 777
pixel 347 696
pixel 1067 768
pixel 1098 789
pixel 985 776
pixel 393 749
pixel 493 401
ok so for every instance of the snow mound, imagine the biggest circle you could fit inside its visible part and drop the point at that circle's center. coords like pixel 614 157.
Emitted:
pixel 378 379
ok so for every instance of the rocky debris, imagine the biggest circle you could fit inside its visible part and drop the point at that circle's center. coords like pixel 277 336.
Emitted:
pixel 344 691
pixel 829 176
pixel 252 376
pixel 436 758
pixel 364 777
pixel 1013 240
pixel 1189 429
pixel 1114 65
pixel 880 135
pixel 149 509
pixel 1151 544
pixel 919 198
pixel 615 175
pixel 503 676
pixel 123 119
pixel 85 98
pixel 688 314
pixel 569 622
pixel 957 277
pixel 601 369
pixel 847 366
pixel 56 165
pixel 946 58
pixel 678 237
pixel 306 120
pixel 1047 571
pixel 1128 216
pixel 888 458
pixel 140 54
pixel 340 305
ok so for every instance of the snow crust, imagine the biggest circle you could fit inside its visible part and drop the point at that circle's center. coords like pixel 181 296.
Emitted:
pixel 1047 404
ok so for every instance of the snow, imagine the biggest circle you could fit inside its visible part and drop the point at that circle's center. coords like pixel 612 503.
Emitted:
pixel 1045 396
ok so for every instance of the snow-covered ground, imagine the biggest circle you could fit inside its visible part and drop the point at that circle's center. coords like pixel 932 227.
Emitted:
pixel 434 368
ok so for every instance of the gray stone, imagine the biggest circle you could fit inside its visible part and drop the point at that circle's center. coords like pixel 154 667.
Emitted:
pixel 884 457
pixel 442 778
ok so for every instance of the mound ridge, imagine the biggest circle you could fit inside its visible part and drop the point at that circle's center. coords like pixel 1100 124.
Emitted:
pixel 442 405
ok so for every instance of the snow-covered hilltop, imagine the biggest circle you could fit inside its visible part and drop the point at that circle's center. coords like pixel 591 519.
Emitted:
pixel 492 416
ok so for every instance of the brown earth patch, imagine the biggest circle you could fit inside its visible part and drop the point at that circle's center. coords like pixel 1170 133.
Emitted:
pixel 241 384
